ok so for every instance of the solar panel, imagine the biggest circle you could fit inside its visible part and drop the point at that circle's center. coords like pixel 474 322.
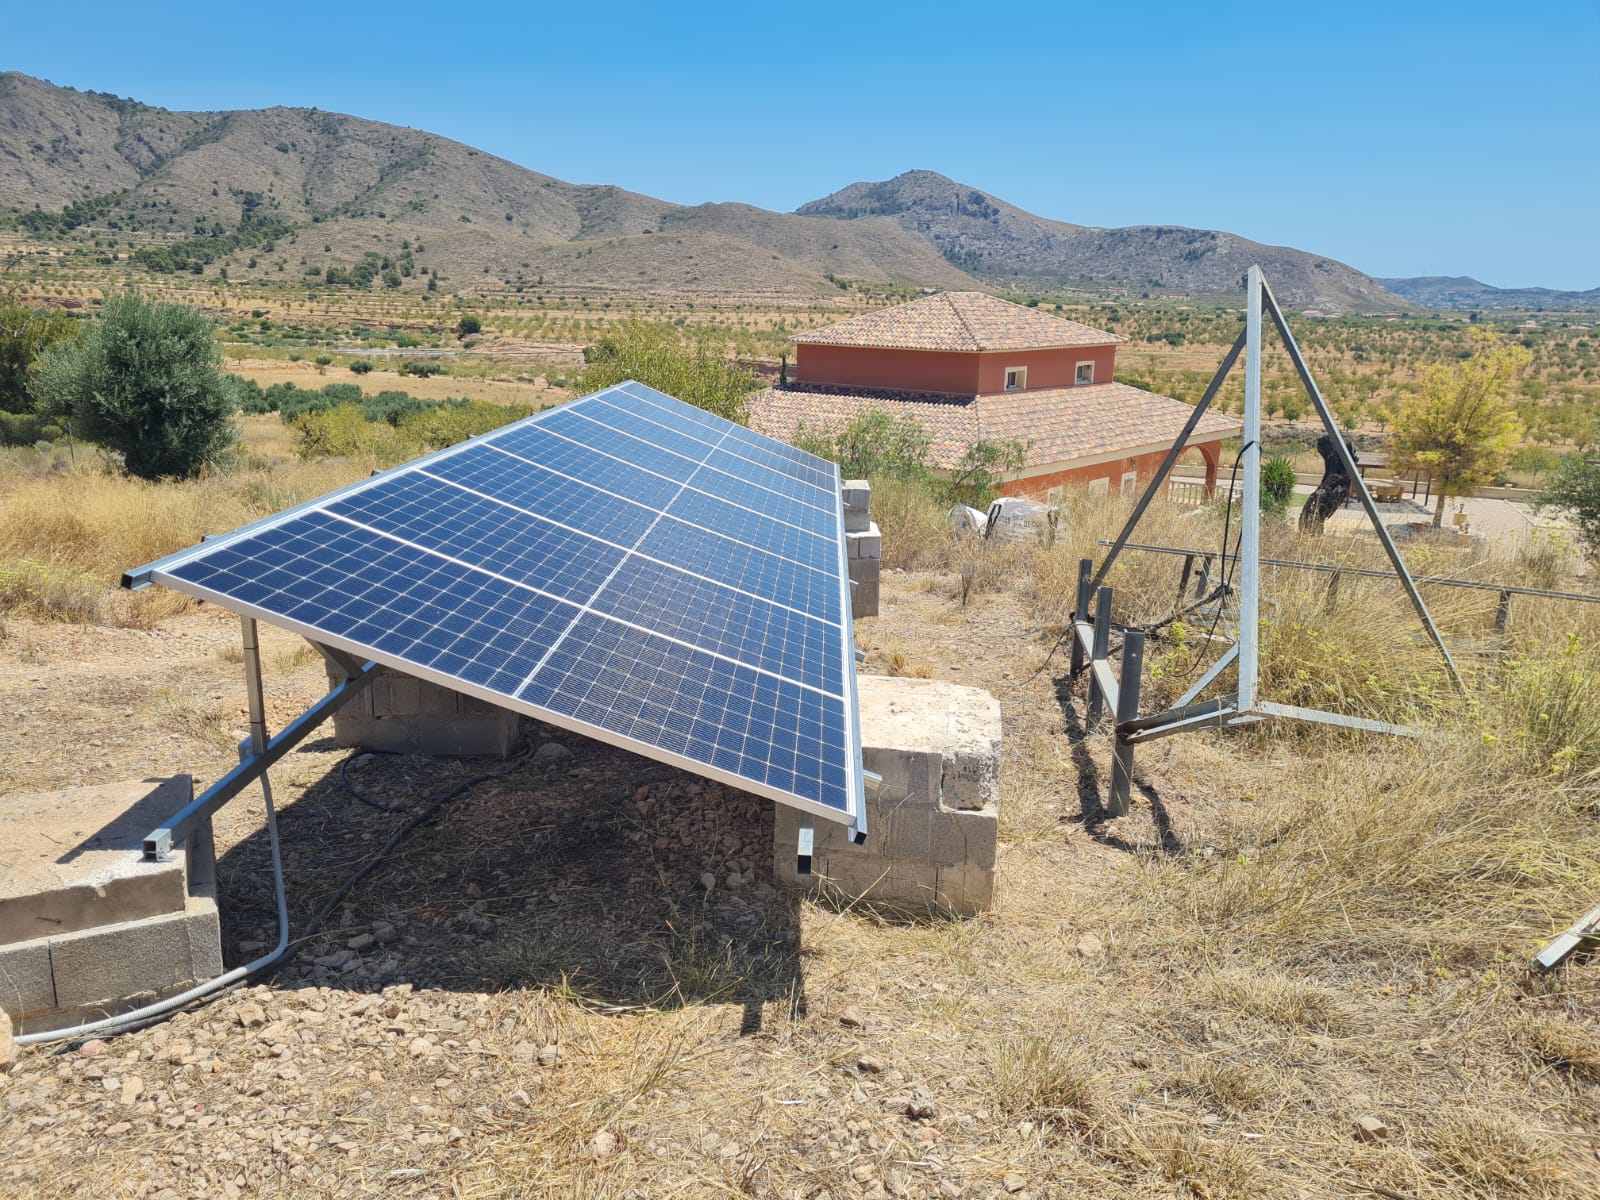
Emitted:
pixel 626 566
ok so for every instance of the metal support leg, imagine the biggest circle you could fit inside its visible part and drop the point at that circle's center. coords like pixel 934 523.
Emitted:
pixel 1188 571
pixel 1502 612
pixel 1101 647
pixel 252 685
pixel 1127 710
pixel 1331 600
pixel 1080 612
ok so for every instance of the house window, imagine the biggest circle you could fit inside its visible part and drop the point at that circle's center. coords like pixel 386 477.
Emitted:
pixel 1130 483
pixel 1085 372
pixel 1016 378
pixel 1100 487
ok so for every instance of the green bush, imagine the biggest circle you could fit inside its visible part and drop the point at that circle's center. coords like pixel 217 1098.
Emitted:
pixel 1277 484
pixel 360 366
pixel 28 429
pixel 421 369
pixel 447 424
pixel 143 379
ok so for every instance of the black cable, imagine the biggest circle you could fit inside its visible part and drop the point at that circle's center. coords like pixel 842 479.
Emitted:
pixel 1226 587
pixel 344 780
pixel 428 812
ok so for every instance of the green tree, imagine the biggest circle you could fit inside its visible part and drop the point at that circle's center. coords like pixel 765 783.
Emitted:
pixel 1575 490
pixel 976 477
pixel 469 325
pixel 695 370
pixel 143 379
pixel 874 444
pixel 25 334
pixel 1459 426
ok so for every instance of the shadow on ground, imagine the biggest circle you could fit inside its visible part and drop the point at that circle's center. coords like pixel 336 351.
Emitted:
pixel 580 870
pixel 1092 789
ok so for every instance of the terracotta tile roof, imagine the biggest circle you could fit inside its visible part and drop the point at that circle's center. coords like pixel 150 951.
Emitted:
pixel 1059 425
pixel 959 321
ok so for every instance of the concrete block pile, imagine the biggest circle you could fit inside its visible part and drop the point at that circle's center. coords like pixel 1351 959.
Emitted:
pixel 865 544
pixel 933 824
pixel 412 716
pixel 87 926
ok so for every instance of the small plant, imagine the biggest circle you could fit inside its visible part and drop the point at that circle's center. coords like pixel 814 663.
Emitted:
pixel 1277 484
pixel 360 366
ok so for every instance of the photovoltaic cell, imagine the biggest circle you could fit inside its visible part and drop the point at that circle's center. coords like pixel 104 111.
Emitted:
pixel 626 565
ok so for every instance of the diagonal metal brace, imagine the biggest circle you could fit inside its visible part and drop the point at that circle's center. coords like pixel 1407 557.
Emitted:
pixel 158 843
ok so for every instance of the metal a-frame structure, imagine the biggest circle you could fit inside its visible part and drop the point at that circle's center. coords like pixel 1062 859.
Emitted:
pixel 1244 704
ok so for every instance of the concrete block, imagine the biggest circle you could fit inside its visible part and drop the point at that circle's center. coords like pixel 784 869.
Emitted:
pixel 866 544
pixel 86 925
pixel 864 600
pixel 105 967
pixel 864 570
pixel 407 715
pixel 857 495
pixel 26 983
pixel 857 520
pixel 933 822
pixel 958 837
pixel 72 858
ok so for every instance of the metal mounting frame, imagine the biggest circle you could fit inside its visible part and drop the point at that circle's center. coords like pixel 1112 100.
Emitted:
pixel 1091 627
pixel 258 752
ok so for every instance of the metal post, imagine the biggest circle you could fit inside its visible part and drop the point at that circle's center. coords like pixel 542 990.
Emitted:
pixel 1331 601
pixel 1101 648
pixel 1188 572
pixel 1502 612
pixel 1250 518
pixel 1080 612
pixel 252 685
pixel 1127 710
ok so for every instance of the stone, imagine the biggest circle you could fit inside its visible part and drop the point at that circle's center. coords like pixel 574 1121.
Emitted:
pixel 132 1089
pixel 1013 1183
pixel 708 880
pixel 385 933
pixel 552 753
pixel 851 1018
pixel 250 1014
pixel 8 1047
pixel 603 1144
pixel 1371 1129
pixel 871 1064
pixel 1090 946
pixel 920 1107
pixel 362 941
pixel 93 1048
pixel 421 1047
pixel 549 1055
pixel 1140 1059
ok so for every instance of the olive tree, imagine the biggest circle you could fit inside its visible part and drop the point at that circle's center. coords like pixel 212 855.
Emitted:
pixel 143 379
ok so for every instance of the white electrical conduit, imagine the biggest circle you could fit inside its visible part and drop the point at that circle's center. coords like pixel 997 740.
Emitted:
pixel 160 1007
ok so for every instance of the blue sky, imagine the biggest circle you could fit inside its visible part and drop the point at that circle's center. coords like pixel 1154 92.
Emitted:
pixel 1414 138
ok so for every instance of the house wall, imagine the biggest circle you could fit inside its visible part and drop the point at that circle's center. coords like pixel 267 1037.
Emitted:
pixel 940 371
pixel 1046 368
pixel 1037 487
pixel 909 370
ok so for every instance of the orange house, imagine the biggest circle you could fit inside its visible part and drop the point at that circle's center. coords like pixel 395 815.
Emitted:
pixel 971 367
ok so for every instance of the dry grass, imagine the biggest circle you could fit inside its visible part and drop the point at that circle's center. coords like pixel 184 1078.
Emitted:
pixel 1299 927
pixel 68 535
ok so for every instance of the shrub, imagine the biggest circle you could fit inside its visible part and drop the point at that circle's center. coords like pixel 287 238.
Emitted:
pixel 143 380
pixel 27 429
pixel 361 366
pixel 447 424
pixel 468 325
pixel 1277 484
pixel 695 371
pixel 421 369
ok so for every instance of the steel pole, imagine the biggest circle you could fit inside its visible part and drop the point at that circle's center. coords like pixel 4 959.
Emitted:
pixel 1250 517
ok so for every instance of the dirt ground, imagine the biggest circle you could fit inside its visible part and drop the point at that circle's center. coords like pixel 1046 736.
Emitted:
pixel 580 980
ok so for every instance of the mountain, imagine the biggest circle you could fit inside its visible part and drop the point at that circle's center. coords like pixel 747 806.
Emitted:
pixel 991 239
pixel 1462 291
pixel 291 194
